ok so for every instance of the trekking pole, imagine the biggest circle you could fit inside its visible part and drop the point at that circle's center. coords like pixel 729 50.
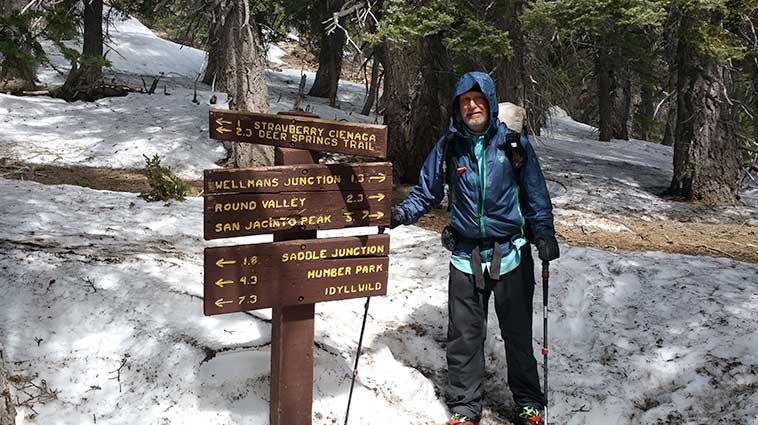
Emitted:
pixel 358 354
pixel 545 277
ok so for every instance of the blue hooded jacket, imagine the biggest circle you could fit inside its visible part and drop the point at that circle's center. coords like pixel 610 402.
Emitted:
pixel 495 212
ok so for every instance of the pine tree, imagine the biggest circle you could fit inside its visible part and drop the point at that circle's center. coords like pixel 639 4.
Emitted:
pixel 330 51
pixel 706 147
pixel 617 34
pixel 85 80
pixel 242 70
pixel 18 47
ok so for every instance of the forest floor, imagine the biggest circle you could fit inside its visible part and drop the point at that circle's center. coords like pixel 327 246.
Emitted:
pixel 737 241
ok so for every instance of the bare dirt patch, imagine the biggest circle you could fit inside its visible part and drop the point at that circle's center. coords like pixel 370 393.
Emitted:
pixel 99 178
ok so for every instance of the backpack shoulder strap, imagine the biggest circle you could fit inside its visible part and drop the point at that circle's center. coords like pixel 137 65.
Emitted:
pixel 449 166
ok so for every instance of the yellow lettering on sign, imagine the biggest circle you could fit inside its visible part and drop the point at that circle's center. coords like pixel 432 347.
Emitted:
pixel 312 180
pixel 357 251
pixel 352 288
pixel 354 198
pixel 249 280
pixel 247 299
pixel 358 144
pixel 278 222
pixel 369 268
pixel 303 255
pixel 284 203
pixel 227 227
pixel 314 140
pixel 235 206
pixel 246 184
pixel 330 272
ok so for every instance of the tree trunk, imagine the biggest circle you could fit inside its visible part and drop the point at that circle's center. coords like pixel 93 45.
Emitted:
pixel 671 32
pixel 603 75
pixel 706 155
pixel 418 89
pixel 754 103
pixel 514 84
pixel 374 83
pixel 243 74
pixel 621 104
pixel 7 407
pixel 17 70
pixel 645 120
pixel 85 80
pixel 331 49
pixel 147 12
pixel 215 54
pixel 509 78
pixel 614 98
pixel 669 133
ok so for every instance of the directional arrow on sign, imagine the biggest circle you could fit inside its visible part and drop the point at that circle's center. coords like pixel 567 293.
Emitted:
pixel 221 282
pixel 379 197
pixel 379 177
pixel 377 215
pixel 220 302
pixel 221 129
pixel 221 262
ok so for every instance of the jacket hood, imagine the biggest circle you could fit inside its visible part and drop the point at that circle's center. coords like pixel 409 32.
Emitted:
pixel 467 82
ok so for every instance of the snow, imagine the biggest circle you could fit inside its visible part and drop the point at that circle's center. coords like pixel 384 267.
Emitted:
pixel 619 177
pixel 102 291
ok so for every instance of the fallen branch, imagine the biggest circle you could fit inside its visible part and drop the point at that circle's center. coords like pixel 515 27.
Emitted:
pixel 118 371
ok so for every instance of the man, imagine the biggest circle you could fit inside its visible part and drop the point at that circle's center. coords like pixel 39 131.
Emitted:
pixel 498 200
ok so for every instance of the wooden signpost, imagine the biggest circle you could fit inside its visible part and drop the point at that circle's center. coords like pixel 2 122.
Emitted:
pixel 292 200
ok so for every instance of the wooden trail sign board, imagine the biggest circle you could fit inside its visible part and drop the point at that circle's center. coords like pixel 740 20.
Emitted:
pixel 298 197
pixel 299 132
pixel 293 200
pixel 250 277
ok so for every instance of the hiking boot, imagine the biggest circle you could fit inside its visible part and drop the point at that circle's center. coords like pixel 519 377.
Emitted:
pixel 458 419
pixel 527 415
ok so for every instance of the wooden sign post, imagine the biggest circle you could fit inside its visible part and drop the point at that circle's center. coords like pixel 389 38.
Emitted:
pixel 293 200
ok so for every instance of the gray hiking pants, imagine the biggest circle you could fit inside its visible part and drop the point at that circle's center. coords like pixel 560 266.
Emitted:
pixel 467 328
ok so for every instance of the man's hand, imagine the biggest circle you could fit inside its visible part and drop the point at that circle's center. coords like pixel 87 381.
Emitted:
pixel 397 217
pixel 547 247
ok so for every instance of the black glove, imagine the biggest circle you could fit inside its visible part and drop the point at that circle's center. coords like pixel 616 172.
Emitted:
pixel 397 217
pixel 547 247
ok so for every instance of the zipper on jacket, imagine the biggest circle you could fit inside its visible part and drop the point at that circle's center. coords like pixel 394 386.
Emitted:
pixel 481 173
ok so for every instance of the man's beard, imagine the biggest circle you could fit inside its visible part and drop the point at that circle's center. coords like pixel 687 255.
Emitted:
pixel 476 123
